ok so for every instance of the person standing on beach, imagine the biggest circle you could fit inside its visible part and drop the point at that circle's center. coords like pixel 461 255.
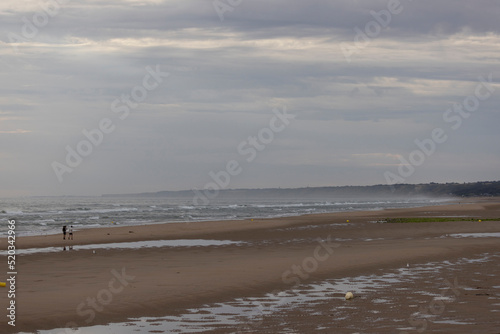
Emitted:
pixel 70 237
pixel 64 232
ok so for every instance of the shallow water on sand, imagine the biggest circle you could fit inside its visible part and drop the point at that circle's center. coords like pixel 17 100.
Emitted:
pixel 476 235
pixel 130 245
pixel 433 295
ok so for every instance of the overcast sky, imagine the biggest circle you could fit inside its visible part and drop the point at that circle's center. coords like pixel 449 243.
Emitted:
pixel 363 79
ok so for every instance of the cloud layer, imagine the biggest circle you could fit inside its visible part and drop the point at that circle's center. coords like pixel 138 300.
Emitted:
pixel 363 86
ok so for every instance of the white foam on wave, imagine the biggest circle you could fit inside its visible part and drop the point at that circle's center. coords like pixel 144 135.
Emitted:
pixel 120 209
pixel 187 207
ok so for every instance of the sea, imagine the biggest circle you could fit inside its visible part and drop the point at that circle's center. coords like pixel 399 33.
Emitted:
pixel 47 215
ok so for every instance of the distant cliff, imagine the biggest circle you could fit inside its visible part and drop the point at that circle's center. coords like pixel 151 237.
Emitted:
pixel 474 189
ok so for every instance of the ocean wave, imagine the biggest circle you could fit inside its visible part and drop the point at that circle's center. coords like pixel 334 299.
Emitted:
pixel 11 212
pixel 42 217
pixel 45 221
pixel 277 205
pixel 88 210
pixel 295 205
pixel 187 207
pixel 76 225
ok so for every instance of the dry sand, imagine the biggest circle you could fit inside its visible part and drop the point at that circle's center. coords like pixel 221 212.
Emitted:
pixel 53 289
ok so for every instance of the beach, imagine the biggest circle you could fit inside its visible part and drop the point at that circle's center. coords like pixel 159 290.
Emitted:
pixel 89 287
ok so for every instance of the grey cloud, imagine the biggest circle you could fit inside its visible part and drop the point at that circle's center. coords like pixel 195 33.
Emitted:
pixel 225 78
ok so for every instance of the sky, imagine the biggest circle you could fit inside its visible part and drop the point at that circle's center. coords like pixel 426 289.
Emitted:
pixel 124 96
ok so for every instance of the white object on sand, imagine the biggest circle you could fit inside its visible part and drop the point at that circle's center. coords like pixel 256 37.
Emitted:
pixel 349 295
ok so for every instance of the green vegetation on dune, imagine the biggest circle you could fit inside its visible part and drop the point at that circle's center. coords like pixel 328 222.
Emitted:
pixel 436 220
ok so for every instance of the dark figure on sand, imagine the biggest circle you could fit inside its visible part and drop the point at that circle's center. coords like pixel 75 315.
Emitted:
pixel 64 232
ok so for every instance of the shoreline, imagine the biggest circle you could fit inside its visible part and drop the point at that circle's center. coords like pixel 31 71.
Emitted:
pixel 191 229
pixel 167 280
pixel 79 227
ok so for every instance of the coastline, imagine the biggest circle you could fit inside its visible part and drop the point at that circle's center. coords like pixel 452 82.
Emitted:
pixel 193 229
pixel 44 217
pixel 166 280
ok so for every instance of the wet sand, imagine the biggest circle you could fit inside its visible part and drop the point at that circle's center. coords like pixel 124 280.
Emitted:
pixel 83 288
